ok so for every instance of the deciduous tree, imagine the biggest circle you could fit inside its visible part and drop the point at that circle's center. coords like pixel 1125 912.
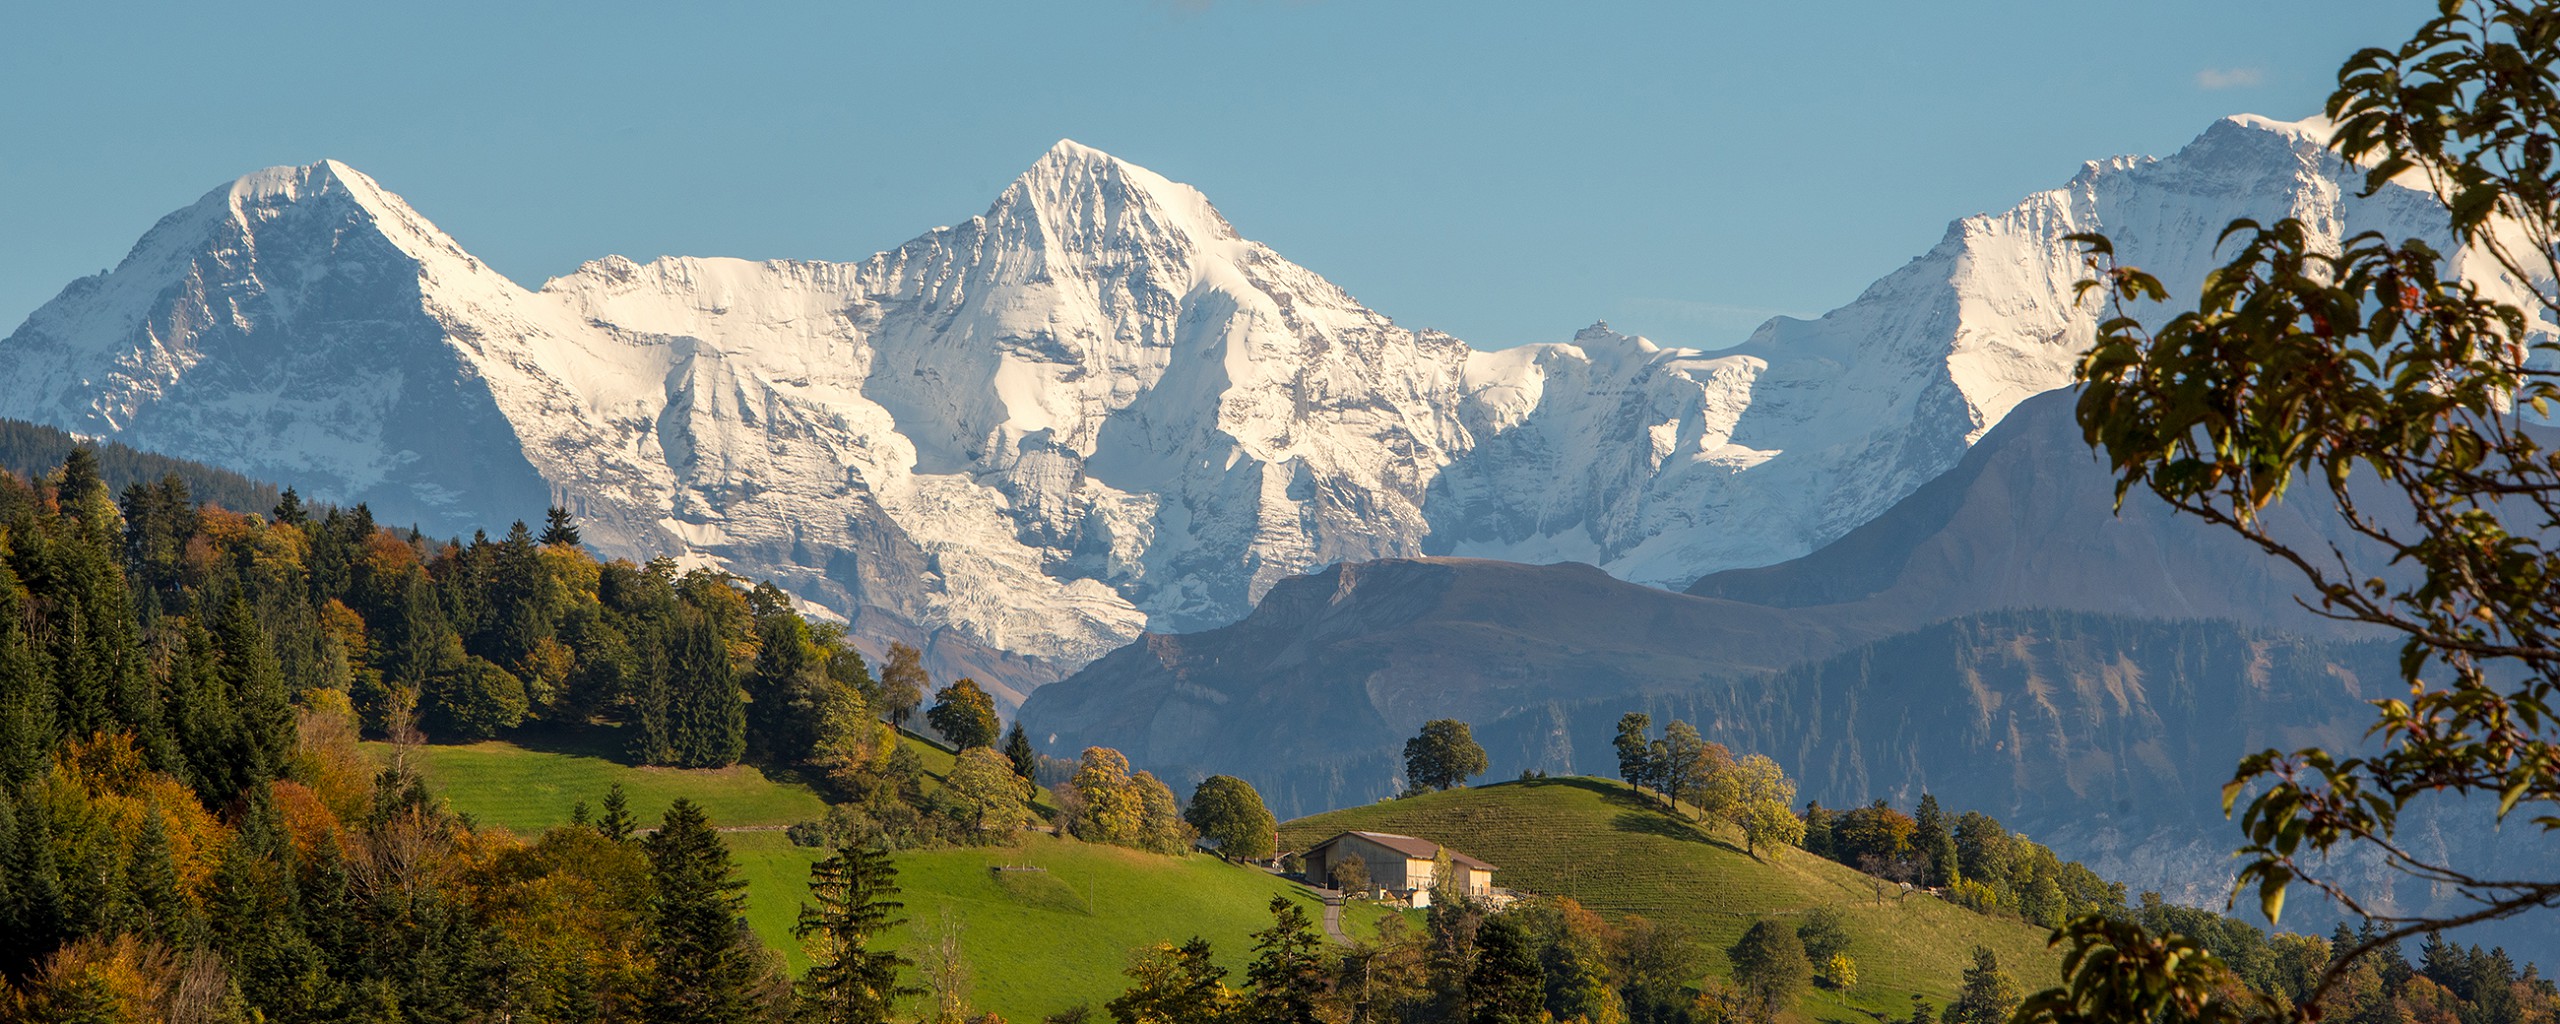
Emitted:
pixel 2363 376
pixel 1445 754
pixel 1230 814
pixel 1770 968
pixel 964 715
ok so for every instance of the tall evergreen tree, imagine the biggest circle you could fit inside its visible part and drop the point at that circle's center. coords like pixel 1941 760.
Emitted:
pixel 289 509
pixel 706 714
pixel 1934 840
pixel 1506 985
pixel 1988 995
pixel 617 824
pixel 1017 749
pixel 559 527
pixel 704 971
pixel 253 683
pixel 849 981
pixel 159 906
pixel 1286 980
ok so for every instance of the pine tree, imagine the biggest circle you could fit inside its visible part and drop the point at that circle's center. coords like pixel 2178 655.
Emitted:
pixel 706 714
pixel 653 738
pixel 32 919
pixel 1988 995
pixel 617 824
pixel 704 972
pixel 1935 842
pixel 289 510
pixel 559 528
pixel 1506 986
pixel 160 910
pixel 517 598
pixel 253 684
pixel 849 982
pixel 1017 749
pixel 1287 976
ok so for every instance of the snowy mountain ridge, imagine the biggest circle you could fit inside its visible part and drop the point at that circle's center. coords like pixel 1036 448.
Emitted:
pixel 1094 409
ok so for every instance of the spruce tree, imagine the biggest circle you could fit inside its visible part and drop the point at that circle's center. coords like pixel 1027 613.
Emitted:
pixel 1506 986
pixel 159 907
pixel 289 510
pixel 1287 976
pixel 1935 843
pixel 254 684
pixel 617 824
pixel 849 981
pixel 706 714
pixel 1017 749
pixel 1988 995
pixel 653 739
pixel 704 971
pixel 559 528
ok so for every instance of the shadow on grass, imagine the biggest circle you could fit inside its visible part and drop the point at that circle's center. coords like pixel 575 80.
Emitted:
pixel 1644 814
pixel 598 741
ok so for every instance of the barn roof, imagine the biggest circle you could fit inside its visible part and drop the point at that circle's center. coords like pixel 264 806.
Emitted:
pixel 1420 849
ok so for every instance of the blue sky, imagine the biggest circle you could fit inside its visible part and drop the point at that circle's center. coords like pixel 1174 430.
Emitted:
pixel 1507 172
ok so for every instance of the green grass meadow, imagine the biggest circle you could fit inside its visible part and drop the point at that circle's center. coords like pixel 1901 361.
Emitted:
pixel 527 790
pixel 1618 853
pixel 1057 929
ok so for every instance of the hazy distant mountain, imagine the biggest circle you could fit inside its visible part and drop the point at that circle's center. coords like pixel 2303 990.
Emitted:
pixel 2000 638
pixel 1344 664
pixel 1093 409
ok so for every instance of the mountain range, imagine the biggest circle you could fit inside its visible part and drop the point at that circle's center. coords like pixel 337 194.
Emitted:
pixel 1092 411
pixel 2003 638
pixel 1164 490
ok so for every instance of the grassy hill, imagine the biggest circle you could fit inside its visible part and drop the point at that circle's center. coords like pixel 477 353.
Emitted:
pixel 1043 940
pixel 1038 941
pixel 528 790
pixel 1618 853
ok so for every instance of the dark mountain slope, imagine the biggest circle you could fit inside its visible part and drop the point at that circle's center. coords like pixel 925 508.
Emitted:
pixel 2027 520
pixel 1322 683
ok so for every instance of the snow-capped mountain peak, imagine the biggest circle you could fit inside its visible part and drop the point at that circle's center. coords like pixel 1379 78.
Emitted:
pixel 1093 409
pixel 1082 196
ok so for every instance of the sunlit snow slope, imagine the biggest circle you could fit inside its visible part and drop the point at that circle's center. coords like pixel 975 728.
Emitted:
pixel 1092 410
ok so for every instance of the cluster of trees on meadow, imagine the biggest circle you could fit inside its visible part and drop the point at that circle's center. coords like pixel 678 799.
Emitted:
pixel 1970 858
pixel 1752 793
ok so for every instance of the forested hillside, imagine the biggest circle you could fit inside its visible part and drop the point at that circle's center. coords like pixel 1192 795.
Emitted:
pixel 30 450
pixel 187 823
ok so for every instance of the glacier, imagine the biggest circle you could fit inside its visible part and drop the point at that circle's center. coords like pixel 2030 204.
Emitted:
pixel 1094 410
